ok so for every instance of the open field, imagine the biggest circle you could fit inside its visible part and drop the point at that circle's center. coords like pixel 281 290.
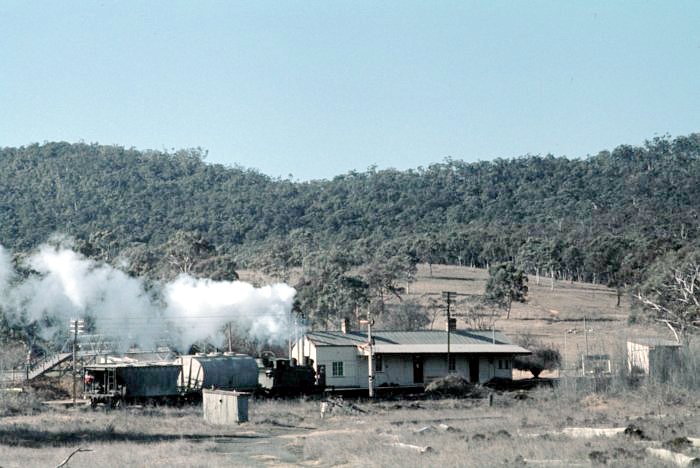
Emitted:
pixel 529 429
pixel 552 315
pixel 450 432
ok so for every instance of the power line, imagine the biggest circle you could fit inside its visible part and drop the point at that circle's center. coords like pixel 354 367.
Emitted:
pixel 231 317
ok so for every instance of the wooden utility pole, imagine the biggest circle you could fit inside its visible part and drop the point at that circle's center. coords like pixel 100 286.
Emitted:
pixel 76 325
pixel 585 335
pixel 370 357
pixel 448 295
pixel 302 316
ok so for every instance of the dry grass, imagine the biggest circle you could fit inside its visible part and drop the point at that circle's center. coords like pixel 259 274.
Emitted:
pixel 292 433
pixel 554 316
pixel 18 401
pixel 503 435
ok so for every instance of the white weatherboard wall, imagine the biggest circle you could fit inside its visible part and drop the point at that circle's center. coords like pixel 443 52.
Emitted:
pixel 395 370
pixel 507 371
pixel 462 366
pixel 327 355
pixel 349 356
pixel 434 367
pixel 308 348
pixel 486 369
pixel 398 369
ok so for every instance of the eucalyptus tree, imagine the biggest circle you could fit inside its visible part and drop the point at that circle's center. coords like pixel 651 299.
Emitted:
pixel 506 284
pixel 671 293
pixel 606 255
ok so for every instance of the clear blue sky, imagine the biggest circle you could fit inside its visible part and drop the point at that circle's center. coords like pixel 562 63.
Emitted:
pixel 318 88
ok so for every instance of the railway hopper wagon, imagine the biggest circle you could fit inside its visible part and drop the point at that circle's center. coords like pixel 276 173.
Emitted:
pixel 114 384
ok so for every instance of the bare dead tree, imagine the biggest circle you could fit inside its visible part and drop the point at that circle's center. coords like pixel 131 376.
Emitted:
pixel 676 300
pixel 479 315
pixel 434 308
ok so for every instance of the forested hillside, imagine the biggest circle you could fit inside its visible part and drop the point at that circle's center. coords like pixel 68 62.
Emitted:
pixel 602 218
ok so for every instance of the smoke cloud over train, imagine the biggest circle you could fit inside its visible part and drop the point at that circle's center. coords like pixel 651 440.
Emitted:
pixel 64 285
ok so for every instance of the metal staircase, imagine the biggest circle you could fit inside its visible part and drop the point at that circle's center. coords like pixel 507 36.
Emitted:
pixel 38 368
pixel 44 365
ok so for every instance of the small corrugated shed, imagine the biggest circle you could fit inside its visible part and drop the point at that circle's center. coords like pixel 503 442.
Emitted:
pixel 652 356
pixel 224 407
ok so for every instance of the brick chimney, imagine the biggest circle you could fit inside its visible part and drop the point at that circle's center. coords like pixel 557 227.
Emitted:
pixel 344 325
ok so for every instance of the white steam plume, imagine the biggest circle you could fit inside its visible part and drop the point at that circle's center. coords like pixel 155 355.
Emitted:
pixel 66 285
pixel 261 312
pixel 69 286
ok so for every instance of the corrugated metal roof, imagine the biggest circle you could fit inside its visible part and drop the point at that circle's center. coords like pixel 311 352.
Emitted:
pixel 115 365
pixel 654 342
pixel 421 337
pixel 442 349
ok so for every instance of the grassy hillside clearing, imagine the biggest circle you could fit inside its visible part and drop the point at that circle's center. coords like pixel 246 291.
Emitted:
pixel 552 315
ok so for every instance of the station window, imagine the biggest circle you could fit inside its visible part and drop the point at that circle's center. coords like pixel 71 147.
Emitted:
pixel 337 368
pixel 378 363
pixel 452 365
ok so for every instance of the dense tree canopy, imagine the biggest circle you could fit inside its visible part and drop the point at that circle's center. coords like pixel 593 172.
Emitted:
pixel 603 218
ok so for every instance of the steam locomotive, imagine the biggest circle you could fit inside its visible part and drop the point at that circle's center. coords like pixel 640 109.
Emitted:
pixel 182 380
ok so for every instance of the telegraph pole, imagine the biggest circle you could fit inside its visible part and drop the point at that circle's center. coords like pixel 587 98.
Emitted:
pixel 76 325
pixel 370 358
pixel 585 333
pixel 302 316
pixel 448 295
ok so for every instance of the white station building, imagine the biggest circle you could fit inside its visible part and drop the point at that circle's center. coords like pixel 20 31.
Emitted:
pixel 407 358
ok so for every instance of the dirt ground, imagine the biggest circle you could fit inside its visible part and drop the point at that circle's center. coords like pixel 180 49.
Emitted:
pixel 515 431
